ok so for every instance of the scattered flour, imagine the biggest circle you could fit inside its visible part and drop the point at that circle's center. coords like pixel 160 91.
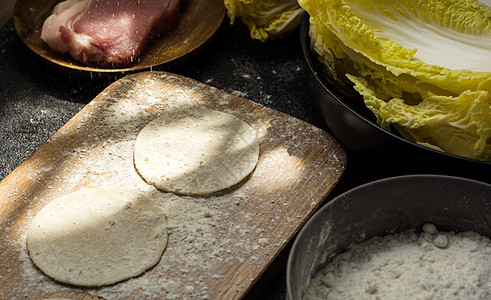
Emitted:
pixel 428 265
pixel 239 93
pixel 211 239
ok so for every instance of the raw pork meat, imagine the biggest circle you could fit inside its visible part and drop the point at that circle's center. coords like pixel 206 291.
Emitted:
pixel 107 32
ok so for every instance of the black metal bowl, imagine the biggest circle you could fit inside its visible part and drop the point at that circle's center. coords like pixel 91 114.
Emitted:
pixel 355 126
pixel 385 206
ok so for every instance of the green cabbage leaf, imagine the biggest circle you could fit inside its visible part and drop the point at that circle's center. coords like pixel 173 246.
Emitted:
pixel 266 19
pixel 421 66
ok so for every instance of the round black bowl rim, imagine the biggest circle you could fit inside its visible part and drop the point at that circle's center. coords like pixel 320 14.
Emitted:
pixel 389 180
pixel 305 42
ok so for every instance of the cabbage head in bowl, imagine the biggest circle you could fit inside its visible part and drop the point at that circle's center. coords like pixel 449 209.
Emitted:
pixel 423 67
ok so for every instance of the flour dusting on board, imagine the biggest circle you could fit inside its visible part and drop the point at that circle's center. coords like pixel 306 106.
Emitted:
pixel 218 245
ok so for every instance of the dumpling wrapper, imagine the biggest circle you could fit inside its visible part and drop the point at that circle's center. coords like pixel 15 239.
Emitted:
pixel 196 151
pixel 97 236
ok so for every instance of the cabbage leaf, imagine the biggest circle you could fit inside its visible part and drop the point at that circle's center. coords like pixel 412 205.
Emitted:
pixel 266 19
pixel 424 66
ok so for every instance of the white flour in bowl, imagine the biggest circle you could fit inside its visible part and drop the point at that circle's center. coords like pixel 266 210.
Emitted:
pixel 408 265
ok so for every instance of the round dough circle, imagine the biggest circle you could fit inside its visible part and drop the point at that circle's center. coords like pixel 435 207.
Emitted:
pixel 98 236
pixel 196 151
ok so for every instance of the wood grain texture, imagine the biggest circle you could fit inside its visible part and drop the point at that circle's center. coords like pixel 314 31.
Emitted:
pixel 250 223
pixel 199 22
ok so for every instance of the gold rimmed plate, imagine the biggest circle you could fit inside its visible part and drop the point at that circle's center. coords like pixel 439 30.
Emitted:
pixel 199 22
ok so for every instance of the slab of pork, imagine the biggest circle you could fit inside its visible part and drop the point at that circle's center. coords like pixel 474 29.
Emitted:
pixel 107 33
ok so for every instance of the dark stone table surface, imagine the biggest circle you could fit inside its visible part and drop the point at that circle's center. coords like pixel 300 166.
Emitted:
pixel 35 101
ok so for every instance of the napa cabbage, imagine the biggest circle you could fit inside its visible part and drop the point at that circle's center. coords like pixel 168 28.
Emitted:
pixel 266 19
pixel 423 67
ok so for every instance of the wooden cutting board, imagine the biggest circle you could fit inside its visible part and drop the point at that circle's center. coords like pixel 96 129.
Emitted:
pixel 218 245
